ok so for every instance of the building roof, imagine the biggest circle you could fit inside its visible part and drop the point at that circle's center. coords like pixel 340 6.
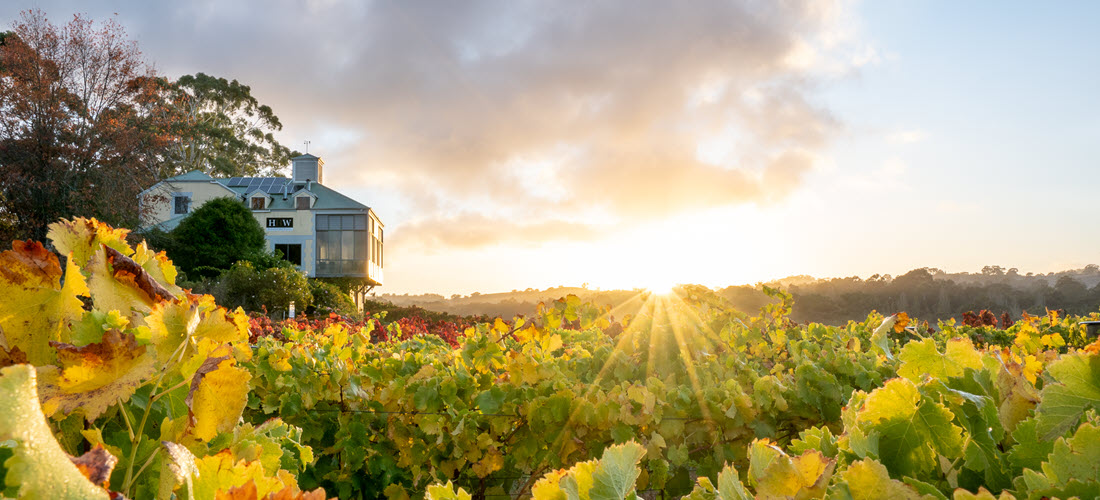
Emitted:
pixel 326 198
pixel 194 175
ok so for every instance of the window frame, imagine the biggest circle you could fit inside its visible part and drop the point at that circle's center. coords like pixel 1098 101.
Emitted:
pixel 176 198
pixel 287 254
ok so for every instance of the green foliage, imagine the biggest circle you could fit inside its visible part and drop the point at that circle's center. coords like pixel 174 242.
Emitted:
pixel 217 234
pixel 753 406
pixel 1075 387
pixel 327 298
pixel 223 130
pixel 270 289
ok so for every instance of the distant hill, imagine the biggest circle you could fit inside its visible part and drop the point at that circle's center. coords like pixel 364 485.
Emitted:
pixel 926 293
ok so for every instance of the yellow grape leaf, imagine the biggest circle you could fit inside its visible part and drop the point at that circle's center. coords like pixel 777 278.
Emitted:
pixel 577 482
pixel 1018 393
pixel 550 343
pixel 491 462
pixel 36 308
pixel 446 492
pixel 219 392
pixel 868 479
pixel 38 466
pixel 118 283
pixel 547 488
pixel 338 334
pixel 84 237
pixel 95 376
pixel 982 494
pixel 919 359
pixel 249 491
pixel 95 438
pixel 223 472
pixel 172 322
pixel 158 266
pixel 777 475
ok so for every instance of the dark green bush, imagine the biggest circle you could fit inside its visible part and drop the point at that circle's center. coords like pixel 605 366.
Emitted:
pixel 219 233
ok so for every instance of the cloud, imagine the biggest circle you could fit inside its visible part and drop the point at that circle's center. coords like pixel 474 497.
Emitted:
pixel 446 100
pixel 907 136
pixel 474 231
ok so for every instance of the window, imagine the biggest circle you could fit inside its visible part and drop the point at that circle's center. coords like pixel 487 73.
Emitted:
pixel 301 203
pixel 181 203
pixel 258 203
pixel 280 222
pixel 342 245
pixel 291 252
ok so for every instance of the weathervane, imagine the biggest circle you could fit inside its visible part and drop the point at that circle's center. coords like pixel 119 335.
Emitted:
pixel 307 147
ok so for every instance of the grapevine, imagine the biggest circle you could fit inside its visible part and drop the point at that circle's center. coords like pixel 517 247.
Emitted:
pixel 117 382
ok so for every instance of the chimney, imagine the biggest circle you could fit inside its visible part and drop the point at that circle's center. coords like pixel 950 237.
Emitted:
pixel 307 168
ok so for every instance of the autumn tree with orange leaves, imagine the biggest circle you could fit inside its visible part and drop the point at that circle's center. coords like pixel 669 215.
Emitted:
pixel 80 132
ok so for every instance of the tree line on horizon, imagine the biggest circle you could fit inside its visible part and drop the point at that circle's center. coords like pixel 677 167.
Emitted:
pixel 928 294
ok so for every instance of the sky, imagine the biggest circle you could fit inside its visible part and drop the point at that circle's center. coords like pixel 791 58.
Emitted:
pixel 639 143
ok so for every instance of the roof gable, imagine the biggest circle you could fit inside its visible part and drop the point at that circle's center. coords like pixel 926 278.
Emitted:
pixel 194 175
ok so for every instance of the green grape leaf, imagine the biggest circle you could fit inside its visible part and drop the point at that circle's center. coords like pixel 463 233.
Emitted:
pixel 617 471
pixel 94 324
pixel 1076 458
pixel 729 485
pixel 38 467
pixel 490 401
pixel 37 308
pixel 95 376
pixel 1029 451
pixel 911 428
pixel 814 438
pixel 919 359
pixel 1076 388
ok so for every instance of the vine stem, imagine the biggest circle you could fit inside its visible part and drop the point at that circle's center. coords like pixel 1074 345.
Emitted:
pixel 135 437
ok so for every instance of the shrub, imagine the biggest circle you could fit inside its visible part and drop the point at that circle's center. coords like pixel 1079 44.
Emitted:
pixel 271 289
pixel 329 298
pixel 219 233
